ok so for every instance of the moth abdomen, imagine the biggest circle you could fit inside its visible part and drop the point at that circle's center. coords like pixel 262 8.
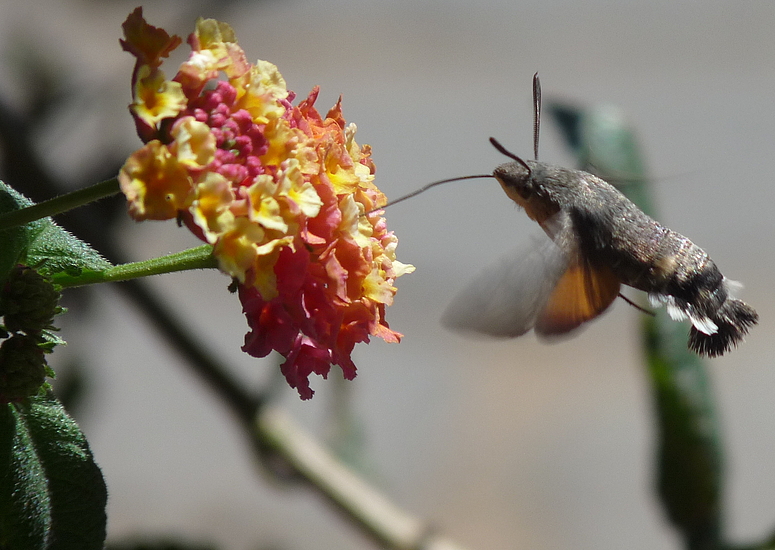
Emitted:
pixel 699 292
pixel 732 319
pixel 673 270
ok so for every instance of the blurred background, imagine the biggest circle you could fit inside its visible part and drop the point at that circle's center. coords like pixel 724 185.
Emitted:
pixel 513 444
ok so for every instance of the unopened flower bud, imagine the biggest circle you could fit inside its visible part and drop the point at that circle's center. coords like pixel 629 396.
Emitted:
pixel 28 301
pixel 22 367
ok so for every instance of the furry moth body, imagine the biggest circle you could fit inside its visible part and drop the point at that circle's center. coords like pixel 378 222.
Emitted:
pixel 598 241
pixel 605 241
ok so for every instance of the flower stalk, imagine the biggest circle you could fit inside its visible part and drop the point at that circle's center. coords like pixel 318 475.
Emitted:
pixel 60 204
pixel 200 257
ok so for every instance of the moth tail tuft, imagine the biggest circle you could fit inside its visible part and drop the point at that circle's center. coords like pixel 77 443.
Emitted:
pixel 733 320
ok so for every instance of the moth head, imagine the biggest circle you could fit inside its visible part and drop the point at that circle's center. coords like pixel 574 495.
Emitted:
pixel 516 177
pixel 516 180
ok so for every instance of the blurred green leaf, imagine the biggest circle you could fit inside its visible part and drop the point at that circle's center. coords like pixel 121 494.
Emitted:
pixel 689 449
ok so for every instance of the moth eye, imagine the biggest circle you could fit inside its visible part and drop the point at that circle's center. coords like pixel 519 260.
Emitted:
pixel 524 192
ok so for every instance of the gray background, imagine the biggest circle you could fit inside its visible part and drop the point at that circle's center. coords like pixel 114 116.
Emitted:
pixel 500 444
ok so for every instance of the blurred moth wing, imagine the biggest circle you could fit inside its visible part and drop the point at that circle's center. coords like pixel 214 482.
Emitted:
pixel 549 286
pixel 506 299
pixel 581 294
pixel 584 291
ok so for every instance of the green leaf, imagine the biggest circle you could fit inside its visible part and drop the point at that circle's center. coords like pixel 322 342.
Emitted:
pixel 689 452
pixel 52 495
pixel 15 239
pixel 25 514
pixel 43 243
pixel 57 250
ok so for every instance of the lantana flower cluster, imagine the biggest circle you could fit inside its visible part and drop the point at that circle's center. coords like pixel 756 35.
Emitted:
pixel 285 196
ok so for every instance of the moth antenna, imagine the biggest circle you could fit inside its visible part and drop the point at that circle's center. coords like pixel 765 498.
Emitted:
pixel 536 113
pixel 424 188
pixel 504 151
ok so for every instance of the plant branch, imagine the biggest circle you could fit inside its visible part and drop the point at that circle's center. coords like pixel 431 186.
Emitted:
pixel 275 435
pixel 366 506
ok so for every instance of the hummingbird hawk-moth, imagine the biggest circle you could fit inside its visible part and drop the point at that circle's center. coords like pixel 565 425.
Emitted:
pixel 598 241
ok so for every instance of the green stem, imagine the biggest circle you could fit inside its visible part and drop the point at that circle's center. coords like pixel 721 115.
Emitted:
pixel 60 204
pixel 200 257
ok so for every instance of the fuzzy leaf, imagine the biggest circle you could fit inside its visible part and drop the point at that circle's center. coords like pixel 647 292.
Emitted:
pixel 52 495
pixel 60 251
pixel 16 239
pixel 43 243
